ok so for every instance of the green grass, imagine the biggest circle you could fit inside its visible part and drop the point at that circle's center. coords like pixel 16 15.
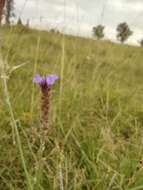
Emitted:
pixel 96 131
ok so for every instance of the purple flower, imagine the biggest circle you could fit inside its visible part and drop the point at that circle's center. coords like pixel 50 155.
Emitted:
pixel 47 80
pixel 45 83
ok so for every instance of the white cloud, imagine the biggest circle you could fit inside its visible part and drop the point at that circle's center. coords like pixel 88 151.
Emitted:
pixel 125 6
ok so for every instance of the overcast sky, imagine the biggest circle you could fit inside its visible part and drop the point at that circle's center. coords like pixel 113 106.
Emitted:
pixel 79 16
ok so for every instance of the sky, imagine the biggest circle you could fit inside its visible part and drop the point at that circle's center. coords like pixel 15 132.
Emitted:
pixel 79 16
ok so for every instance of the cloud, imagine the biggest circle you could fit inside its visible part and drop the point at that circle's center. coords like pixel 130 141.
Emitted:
pixel 127 6
pixel 134 1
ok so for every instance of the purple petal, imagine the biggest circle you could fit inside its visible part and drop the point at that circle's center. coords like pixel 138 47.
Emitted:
pixel 37 79
pixel 50 79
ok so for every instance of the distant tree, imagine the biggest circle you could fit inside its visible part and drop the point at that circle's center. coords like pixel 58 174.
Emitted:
pixel 9 11
pixel 123 32
pixel 19 22
pixel 28 23
pixel 54 30
pixel 141 43
pixel 2 4
pixel 98 31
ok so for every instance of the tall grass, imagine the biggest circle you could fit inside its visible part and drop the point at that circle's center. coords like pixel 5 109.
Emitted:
pixel 95 137
pixel 15 132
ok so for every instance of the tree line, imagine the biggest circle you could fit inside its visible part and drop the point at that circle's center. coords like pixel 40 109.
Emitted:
pixel 7 13
pixel 123 32
pixel 6 10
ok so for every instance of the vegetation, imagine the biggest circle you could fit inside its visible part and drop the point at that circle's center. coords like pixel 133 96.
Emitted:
pixel 2 4
pixel 96 130
pixel 141 43
pixel 123 32
pixel 19 22
pixel 98 32
pixel 9 11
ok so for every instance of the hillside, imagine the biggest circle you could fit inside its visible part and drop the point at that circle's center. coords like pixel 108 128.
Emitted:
pixel 96 119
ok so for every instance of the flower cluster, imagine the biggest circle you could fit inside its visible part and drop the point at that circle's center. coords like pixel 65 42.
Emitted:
pixel 45 83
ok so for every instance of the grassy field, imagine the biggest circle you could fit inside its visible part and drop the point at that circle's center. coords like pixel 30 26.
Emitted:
pixel 95 140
